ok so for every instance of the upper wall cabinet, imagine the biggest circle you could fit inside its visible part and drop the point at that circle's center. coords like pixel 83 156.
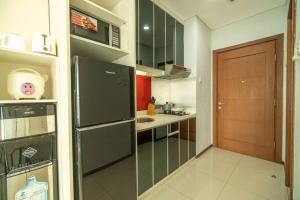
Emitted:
pixel 145 33
pixel 179 44
pixel 160 38
pixel 170 39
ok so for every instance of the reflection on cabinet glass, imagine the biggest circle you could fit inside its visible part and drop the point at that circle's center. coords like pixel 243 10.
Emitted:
pixel 184 141
pixel 137 30
pixel 192 137
pixel 160 153
pixel 173 147
pixel 159 36
pixel 2 186
pixel 170 39
pixel 179 44
pixel 145 21
pixel 144 140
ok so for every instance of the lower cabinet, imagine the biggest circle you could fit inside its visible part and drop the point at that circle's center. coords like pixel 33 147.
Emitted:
pixel 173 147
pixel 160 153
pixel 192 137
pixel 145 161
pixel 184 141
pixel 164 149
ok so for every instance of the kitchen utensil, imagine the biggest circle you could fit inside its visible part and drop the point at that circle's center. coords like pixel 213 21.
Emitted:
pixel 43 43
pixel 12 41
pixel 168 108
pixel 26 83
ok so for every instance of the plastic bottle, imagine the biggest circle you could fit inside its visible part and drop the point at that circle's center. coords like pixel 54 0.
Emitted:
pixel 34 190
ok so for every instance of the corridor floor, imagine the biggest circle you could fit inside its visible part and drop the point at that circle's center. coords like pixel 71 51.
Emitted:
pixel 223 175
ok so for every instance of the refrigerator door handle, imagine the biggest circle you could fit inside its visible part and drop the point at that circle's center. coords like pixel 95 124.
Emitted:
pixel 104 125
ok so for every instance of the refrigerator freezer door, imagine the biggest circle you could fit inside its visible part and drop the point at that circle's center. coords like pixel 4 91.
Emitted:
pixel 105 145
pixel 107 162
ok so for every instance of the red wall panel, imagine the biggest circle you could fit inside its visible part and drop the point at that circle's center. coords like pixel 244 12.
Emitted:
pixel 143 92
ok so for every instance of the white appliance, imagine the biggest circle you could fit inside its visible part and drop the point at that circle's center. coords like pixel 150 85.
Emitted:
pixel 43 43
pixel 26 83
pixel 12 41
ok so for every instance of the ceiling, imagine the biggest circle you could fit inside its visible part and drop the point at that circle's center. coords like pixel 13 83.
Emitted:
pixel 218 13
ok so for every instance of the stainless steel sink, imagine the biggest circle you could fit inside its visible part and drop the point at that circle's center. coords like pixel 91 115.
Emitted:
pixel 144 120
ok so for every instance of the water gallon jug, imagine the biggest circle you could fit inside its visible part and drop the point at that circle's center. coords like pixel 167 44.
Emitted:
pixel 34 190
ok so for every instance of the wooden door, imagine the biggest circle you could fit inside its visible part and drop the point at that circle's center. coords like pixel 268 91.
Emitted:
pixel 245 95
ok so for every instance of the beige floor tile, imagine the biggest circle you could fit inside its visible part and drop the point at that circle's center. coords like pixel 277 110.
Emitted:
pixel 165 193
pixel 221 156
pixel 196 185
pixel 219 170
pixel 234 193
pixel 257 176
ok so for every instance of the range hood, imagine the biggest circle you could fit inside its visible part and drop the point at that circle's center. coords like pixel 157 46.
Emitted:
pixel 171 71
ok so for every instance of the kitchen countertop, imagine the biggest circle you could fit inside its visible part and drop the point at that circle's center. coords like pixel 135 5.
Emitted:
pixel 160 119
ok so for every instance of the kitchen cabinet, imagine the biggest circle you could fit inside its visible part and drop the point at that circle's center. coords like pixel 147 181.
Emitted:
pixel 170 39
pixel 145 160
pixel 145 33
pixel 160 153
pixel 192 137
pixel 184 141
pixel 173 147
pixel 159 37
pixel 162 150
pixel 179 44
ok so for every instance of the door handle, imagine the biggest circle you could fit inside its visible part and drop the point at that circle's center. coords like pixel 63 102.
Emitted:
pixel 220 103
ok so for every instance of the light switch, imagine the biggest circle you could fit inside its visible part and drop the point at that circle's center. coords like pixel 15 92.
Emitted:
pixel 200 79
pixel 297 51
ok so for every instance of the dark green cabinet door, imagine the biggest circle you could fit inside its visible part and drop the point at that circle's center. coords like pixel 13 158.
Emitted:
pixel 170 39
pixel 145 37
pixel 173 147
pixel 159 37
pixel 192 137
pixel 184 141
pixel 179 44
pixel 145 157
pixel 160 153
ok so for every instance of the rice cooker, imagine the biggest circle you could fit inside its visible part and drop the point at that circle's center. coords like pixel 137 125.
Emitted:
pixel 26 83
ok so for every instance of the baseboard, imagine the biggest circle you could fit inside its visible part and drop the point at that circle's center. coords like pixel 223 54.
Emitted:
pixel 202 152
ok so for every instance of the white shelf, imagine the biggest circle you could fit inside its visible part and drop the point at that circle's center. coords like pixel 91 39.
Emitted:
pixel 108 4
pixel 97 11
pixel 28 101
pixel 25 57
pixel 89 48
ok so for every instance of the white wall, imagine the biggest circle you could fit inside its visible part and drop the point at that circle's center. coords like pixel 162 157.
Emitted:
pixel 198 57
pixel 181 92
pixel 260 26
pixel 28 17
pixel 297 118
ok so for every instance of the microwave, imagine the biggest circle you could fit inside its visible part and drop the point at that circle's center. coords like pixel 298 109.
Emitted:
pixel 89 27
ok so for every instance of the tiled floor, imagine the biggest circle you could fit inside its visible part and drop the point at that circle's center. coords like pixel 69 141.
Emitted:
pixel 223 175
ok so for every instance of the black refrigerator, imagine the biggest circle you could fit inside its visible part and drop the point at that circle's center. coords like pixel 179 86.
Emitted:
pixel 104 130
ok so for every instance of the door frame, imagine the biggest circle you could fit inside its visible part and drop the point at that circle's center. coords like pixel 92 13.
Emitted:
pixel 279 40
pixel 290 97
